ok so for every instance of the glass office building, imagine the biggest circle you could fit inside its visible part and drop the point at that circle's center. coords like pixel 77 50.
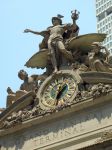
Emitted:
pixel 104 20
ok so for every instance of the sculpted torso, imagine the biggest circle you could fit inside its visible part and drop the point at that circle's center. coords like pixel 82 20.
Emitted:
pixel 56 31
pixel 29 84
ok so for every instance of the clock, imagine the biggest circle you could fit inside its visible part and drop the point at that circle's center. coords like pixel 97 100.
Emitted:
pixel 57 89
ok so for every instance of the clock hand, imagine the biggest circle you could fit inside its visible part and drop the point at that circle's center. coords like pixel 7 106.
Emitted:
pixel 59 93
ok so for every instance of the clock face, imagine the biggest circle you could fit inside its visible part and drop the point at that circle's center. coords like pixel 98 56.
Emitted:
pixel 58 90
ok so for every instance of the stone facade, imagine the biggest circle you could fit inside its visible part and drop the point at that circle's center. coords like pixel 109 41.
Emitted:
pixel 79 126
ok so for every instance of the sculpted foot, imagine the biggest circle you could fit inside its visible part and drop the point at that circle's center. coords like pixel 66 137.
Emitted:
pixel 55 71
pixel 60 71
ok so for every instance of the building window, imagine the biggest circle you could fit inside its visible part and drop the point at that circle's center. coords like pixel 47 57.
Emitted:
pixel 103 22
pixel 100 24
pixel 101 16
pixel 109 31
pixel 110 44
pixel 107 39
pixel 105 6
pixel 109 11
pixel 103 29
pixel 107 45
pixel 109 19
pixel 96 5
pixel 97 11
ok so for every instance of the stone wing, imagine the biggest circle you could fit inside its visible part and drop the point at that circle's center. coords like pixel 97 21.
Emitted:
pixel 38 60
pixel 20 104
pixel 83 42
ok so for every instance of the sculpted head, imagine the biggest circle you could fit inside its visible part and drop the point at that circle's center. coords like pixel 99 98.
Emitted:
pixel 96 46
pixel 9 91
pixel 57 20
pixel 22 74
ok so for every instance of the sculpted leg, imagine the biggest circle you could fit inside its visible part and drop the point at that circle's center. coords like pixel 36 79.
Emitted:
pixel 53 57
pixel 100 66
pixel 62 49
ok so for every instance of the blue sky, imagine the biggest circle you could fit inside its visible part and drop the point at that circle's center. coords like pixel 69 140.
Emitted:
pixel 16 47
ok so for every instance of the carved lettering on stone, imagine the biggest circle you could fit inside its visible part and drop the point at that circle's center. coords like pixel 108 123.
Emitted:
pixel 60 130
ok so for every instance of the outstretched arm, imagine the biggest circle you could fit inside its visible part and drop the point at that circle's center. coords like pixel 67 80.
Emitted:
pixel 42 33
pixel 31 31
pixel 9 91
pixel 73 29
pixel 74 16
pixel 38 77
pixel 107 53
